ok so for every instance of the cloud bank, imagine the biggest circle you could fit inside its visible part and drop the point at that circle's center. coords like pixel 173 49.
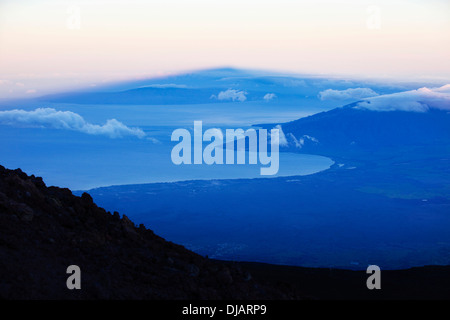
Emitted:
pixel 347 94
pixel 231 94
pixel 50 118
pixel 420 100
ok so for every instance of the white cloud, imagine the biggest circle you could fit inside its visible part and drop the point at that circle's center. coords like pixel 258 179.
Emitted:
pixel 347 94
pixel 299 143
pixel 420 100
pixel 269 96
pixel 282 141
pixel 50 118
pixel 30 91
pixel 231 94
pixel 445 89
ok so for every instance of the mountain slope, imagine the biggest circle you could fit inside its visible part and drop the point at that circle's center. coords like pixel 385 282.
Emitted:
pixel 349 128
pixel 44 230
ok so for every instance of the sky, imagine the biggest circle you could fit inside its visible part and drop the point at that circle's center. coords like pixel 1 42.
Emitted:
pixel 57 44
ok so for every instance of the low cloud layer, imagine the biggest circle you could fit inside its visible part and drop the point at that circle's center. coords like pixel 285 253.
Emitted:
pixel 231 94
pixel 420 100
pixel 51 118
pixel 348 94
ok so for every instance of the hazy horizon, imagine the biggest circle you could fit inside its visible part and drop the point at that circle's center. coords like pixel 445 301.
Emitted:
pixel 51 45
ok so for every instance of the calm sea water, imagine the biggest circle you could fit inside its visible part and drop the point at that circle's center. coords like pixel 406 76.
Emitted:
pixel 81 161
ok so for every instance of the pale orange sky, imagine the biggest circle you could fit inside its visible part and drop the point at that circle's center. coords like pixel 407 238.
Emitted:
pixel 46 45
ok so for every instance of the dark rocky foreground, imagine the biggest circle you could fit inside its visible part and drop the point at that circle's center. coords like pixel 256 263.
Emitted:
pixel 43 230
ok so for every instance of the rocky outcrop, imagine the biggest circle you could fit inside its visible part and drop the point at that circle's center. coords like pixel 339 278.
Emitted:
pixel 44 229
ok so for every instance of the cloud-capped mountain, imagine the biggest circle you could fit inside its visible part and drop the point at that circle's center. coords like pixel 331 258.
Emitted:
pixel 229 85
pixel 412 118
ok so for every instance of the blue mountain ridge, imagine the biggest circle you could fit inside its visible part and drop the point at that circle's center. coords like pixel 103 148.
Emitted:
pixel 351 128
pixel 203 86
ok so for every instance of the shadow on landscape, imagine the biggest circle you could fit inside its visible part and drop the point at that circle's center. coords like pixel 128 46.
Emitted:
pixel 46 229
